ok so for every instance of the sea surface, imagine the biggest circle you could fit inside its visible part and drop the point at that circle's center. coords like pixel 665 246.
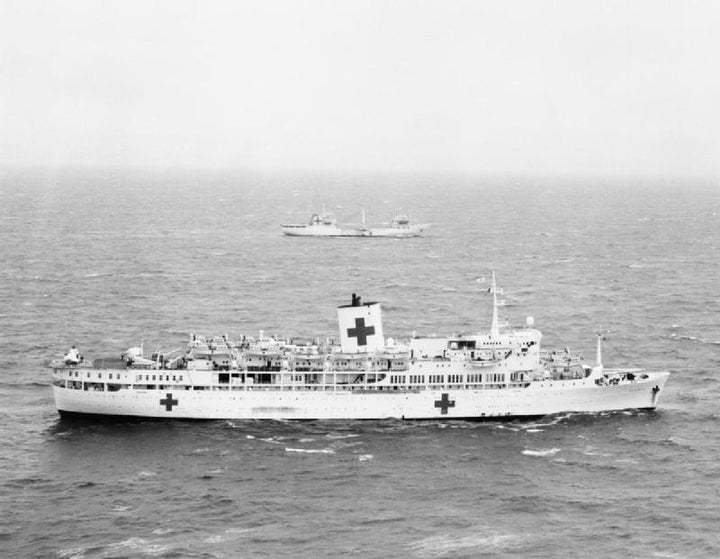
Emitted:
pixel 108 259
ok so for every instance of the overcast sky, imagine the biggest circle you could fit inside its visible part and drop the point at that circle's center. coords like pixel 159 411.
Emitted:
pixel 486 86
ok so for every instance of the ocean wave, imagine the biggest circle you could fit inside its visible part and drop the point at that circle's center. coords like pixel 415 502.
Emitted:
pixel 553 420
pixel 674 441
pixel 689 338
pixel 693 339
pixel 589 451
pixel 311 450
pixel 26 384
pixel 138 545
pixel 541 452
pixel 337 436
pixel 478 544
pixel 72 553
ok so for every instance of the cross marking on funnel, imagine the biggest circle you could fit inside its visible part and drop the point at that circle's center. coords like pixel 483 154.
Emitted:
pixel 168 402
pixel 361 332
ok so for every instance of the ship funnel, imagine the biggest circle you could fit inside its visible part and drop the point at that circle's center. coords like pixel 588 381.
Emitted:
pixel 360 326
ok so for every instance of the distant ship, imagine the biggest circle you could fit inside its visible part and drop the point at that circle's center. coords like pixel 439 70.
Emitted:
pixel 400 226
pixel 325 225
pixel 320 225
pixel 498 374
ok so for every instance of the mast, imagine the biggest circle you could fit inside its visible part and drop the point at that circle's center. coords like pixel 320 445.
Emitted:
pixel 598 354
pixel 494 328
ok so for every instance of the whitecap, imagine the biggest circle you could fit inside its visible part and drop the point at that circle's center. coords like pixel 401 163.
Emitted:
pixel 451 544
pixel 229 534
pixel 690 338
pixel 541 452
pixel 147 474
pixel 72 553
pixel 141 545
pixel 590 452
pixel 337 436
pixel 217 538
pixel 240 530
pixel 534 430
pixel 365 457
pixel 556 419
pixel 311 450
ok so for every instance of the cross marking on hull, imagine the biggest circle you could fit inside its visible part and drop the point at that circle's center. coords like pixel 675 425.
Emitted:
pixel 444 403
pixel 168 402
pixel 361 332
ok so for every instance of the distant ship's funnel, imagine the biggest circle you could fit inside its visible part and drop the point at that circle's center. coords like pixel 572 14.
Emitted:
pixel 360 326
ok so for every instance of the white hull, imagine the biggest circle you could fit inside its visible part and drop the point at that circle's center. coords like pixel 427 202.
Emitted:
pixel 310 231
pixel 319 231
pixel 257 402
pixel 409 231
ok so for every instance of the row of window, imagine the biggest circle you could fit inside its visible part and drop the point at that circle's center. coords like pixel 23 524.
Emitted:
pixel 175 378
pixel 394 379
pixel 100 375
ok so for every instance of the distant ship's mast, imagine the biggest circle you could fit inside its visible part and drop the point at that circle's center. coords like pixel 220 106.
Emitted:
pixel 494 328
